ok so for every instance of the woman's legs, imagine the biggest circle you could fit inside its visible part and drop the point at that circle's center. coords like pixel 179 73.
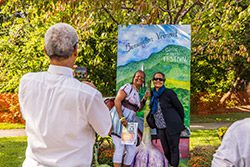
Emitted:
pixel 130 155
pixel 164 143
pixel 170 144
pixel 173 141
pixel 119 149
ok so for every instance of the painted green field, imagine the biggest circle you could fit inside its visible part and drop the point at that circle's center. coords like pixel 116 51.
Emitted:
pixel 173 60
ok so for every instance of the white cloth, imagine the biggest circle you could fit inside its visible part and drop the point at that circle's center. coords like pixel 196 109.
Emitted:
pixel 235 147
pixel 119 151
pixel 133 98
pixel 132 94
pixel 62 115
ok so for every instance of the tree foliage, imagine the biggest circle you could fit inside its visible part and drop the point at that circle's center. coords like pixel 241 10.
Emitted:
pixel 220 37
pixel 220 43
pixel 23 25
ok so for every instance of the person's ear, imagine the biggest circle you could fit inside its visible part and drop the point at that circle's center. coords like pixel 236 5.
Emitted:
pixel 75 52
pixel 45 51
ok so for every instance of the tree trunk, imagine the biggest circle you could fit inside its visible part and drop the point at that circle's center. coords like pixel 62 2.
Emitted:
pixel 229 93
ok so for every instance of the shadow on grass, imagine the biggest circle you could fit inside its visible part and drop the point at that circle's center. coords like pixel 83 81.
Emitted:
pixel 226 117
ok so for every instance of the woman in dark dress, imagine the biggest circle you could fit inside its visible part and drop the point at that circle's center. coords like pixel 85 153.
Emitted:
pixel 168 114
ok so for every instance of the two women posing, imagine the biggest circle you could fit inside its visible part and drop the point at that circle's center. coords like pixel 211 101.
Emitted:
pixel 167 111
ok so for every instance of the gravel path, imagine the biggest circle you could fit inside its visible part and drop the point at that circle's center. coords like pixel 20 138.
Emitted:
pixel 12 133
pixel 194 126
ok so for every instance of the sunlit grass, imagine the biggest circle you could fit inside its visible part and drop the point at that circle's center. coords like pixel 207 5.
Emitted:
pixel 12 149
pixel 204 137
pixel 4 126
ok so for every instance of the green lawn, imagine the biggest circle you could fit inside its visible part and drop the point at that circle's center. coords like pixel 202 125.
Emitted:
pixel 12 151
pixel 227 117
pixel 204 137
pixel 11 126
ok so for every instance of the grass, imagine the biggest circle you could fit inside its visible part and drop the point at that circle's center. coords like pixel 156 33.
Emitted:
pixel 4 126
pixel 204 137
pixel 12 151
pixel 227 117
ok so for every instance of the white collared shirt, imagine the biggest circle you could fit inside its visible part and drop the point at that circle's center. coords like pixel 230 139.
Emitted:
pixel 62 115
pixel 234 150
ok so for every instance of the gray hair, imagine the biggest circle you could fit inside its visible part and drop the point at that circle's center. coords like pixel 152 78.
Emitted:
pixel 60 40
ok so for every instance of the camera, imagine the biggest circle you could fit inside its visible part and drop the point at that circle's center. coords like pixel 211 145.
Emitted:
pixel 80 73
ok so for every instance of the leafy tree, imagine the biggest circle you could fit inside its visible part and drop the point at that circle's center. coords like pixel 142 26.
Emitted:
pixel 220 37
pixel 221 47
pixel 23 26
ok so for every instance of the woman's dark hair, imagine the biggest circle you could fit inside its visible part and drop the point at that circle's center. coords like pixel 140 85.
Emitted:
pixel 140 71
pixel 159 73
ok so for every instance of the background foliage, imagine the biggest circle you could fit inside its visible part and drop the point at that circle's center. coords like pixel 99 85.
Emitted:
pixel 220 38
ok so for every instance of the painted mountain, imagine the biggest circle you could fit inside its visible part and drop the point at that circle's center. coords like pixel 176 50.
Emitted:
pixel 174 62
pixel 152 48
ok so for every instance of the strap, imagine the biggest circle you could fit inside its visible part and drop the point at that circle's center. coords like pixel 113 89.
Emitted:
pixel 129 105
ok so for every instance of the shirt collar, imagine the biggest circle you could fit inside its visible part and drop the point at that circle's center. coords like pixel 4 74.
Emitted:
pixel 60 70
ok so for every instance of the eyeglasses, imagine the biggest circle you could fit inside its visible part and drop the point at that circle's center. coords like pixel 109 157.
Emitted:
pixel 158 79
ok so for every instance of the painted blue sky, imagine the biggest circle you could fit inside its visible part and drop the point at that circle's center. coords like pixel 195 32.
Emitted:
pixel 137 42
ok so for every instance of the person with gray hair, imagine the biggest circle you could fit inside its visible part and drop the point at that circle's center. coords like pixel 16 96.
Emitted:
pixel 60 41
pixel 62 114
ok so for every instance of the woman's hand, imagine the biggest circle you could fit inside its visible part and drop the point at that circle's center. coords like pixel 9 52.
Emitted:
pixel 147 94
pixel 124 122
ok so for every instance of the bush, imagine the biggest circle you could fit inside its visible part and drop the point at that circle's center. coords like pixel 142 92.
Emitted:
pixel 10 109
pixel 103 152
pixel 221 132
pixel 202 156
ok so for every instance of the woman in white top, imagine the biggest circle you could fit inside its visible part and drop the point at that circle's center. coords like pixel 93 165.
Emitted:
pixel 127 103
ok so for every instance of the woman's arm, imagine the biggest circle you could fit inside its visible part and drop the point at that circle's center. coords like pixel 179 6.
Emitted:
pixel 118 105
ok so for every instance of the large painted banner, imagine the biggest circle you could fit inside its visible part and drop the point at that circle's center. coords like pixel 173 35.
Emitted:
pixel 153 48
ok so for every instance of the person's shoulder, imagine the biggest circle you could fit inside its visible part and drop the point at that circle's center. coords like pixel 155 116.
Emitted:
pixel 170 91
pixel 241 123
pixel 87 89
pixel 241 126
pixel 31 75
pixel 126 87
